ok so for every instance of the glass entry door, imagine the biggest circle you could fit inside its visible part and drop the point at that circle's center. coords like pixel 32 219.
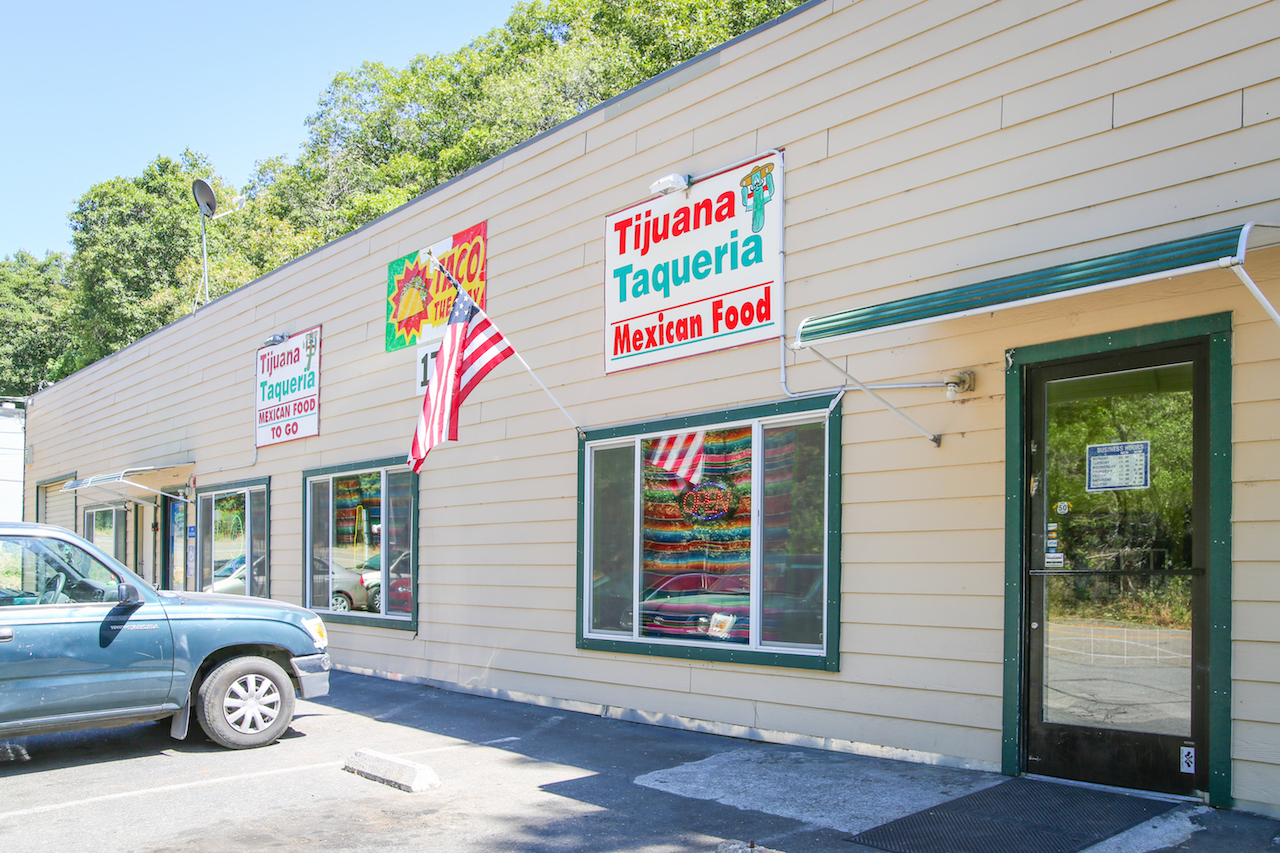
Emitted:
pixel 1116 556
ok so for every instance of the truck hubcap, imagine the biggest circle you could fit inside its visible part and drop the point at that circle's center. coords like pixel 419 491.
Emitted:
pixel 252 704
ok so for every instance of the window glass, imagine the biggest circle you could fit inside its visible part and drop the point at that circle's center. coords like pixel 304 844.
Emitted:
pixel 730 549
pixel 361 542
pixel 319 544
pixel 258 545
pixel 105 528
pixel 37 570
pixel 398 544
pixel 794 535
pixel 696 580
pixel 233 541
pixel 613 547
pixel 177 544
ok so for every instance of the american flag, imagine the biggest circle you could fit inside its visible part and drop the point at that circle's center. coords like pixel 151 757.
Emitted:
pixel 472 347
pixel 679 453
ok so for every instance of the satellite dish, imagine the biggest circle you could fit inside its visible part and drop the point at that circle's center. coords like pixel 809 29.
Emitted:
pixel 205 199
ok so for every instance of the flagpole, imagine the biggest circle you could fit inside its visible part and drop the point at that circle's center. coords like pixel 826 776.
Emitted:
pixel 581 432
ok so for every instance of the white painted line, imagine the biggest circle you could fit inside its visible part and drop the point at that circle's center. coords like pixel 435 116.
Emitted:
pixel 164 788
pixel 218 781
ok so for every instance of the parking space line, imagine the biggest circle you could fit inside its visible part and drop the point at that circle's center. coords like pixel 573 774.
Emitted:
pixel 241 777
pixel 164 788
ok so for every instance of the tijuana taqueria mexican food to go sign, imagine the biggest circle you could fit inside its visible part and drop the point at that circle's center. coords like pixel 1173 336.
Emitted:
pixel 697 270
pixel 288 389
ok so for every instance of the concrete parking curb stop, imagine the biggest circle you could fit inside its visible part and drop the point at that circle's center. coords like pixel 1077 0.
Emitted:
pixel 390 770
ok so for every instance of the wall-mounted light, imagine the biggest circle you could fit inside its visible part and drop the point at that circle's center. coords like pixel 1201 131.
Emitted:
pixel 958 383
pixel 275 340
pixel 669 184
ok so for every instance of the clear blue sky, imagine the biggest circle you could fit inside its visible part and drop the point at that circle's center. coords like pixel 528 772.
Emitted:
pixel 94 90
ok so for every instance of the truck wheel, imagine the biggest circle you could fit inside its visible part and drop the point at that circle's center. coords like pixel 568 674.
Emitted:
pixel 245 702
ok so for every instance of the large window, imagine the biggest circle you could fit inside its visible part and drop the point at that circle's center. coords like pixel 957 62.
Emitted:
pixel 106 527
pixel 361 549
pixel 715 536
pixel 233 530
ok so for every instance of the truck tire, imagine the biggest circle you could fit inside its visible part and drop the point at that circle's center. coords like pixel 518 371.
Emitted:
pixel 245 702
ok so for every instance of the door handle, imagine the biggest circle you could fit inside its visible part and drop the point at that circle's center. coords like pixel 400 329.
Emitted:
pixel 6 634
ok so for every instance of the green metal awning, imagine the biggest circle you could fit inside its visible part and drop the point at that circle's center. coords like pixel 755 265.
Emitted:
pixel 1223 249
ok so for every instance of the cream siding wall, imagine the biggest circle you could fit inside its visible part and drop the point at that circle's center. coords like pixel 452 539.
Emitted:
pixel 928 146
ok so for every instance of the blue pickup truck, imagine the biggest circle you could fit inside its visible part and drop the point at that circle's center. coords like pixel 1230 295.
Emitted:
pixel 85 643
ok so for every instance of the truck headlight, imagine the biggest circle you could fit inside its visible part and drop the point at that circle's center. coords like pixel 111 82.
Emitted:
pixel 315 627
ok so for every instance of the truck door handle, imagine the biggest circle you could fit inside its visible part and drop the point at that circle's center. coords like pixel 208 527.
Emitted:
pixel 6 634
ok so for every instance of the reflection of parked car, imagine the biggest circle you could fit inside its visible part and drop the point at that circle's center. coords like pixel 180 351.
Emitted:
pixel 718 607
pixel 401 584
pixel 229 580
pixel 86 643
pixel 698 604
pixel 346 587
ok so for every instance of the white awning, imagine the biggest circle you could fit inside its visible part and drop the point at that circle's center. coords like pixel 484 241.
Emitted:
pixel 117 484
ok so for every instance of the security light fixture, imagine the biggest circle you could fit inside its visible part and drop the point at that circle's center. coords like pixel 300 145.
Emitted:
pixel 275 340
pixel 669 184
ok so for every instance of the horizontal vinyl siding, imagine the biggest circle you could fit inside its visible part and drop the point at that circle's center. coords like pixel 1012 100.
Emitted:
pixel 1256 530
pixel 927 145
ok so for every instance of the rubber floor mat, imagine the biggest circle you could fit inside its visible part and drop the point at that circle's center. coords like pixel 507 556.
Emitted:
pixel 1018 816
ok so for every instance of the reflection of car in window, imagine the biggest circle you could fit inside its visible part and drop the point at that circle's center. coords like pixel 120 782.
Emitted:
pixel 401 597
pixel 86 643
pixel 705 605
pixel 346 586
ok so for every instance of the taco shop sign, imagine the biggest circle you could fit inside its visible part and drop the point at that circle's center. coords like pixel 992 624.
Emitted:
pixel 696 271
pixel 288 389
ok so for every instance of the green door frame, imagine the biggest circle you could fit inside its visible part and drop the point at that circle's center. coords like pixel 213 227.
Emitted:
pixel 1216 329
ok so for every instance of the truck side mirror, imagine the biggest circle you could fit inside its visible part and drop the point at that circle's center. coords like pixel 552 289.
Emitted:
pixel 129 595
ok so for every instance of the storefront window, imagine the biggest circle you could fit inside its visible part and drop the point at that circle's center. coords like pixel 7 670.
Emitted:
pixel 233 537
pixel 105 527
pixel 360 541
pixel 712 536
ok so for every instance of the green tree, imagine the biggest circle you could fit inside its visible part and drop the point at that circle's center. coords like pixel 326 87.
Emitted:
pixel 383 136
pixel 33 298
pixel 137 261
pixel 379 138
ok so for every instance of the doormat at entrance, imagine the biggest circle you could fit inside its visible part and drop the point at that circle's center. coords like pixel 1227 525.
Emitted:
pixel 1018 816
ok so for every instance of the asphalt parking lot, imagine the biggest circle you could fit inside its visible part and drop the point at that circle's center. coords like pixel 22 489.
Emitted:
pixel 513 778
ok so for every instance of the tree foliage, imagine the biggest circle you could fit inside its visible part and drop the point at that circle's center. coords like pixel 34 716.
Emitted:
pixel 380 137
pixel 383 136
pixel 33 298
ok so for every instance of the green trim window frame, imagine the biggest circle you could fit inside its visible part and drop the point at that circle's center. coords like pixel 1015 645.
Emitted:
pixel 1216 330
pixel 728 554
pixel 360 551
pixel 233 538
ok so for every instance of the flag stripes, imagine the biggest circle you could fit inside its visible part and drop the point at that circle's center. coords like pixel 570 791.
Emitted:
pixel 681 454
pixel 472 347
